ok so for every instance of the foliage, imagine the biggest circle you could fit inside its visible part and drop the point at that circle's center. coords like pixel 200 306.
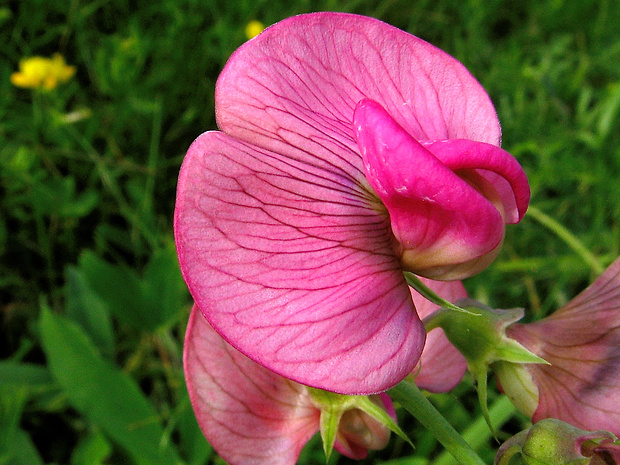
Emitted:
pixel 93 307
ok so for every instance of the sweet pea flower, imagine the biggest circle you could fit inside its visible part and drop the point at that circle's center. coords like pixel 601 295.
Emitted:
pixel 252 416
pixel 348 152
pixel 581 342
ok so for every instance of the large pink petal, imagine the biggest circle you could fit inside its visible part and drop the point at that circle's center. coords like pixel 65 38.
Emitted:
pixel 441 366
pixel 297 84
pixel 250 415
pixel 581 341
pixel 439 219
pixel 293 264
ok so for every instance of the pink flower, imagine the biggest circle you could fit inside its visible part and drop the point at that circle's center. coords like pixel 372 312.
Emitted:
pixel 350 151
pixel 252 416
pixel 581 341
pixel 441 366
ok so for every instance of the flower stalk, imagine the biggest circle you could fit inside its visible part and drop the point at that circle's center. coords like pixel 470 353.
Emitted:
pixel 411 398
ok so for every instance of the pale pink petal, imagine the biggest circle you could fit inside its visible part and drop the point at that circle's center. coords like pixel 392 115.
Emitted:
pixel 581 341
pixel 294 266
pixel 441 366
pixel 297 84
pixel 439 219
pixel 249 415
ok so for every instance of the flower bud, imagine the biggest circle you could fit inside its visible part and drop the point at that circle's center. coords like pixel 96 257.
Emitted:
pixel 553 441
pixel 358 431
pixel 517 383
pixel 355 424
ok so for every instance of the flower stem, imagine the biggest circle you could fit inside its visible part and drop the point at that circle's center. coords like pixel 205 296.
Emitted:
pixel 407 394
pixel 426 292
pixel 568 237
pixel 478 433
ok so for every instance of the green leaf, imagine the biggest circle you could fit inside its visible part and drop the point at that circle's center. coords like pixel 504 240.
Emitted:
pixel 24 451
pixel 34 377
pixel 88 310
pixel 57 196
pixel 18 383
pixel 12 402
pixel 102 393
pixel 119 288
pixel 94 449
pixel 192 444
pixel 164 290
pixel 146 302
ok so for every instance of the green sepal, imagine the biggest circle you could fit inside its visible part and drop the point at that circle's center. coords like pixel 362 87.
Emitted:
pixel 328 427
pixel 368 406
pixel 511 449
pixel 480 374
pixel 333 406
pixel 512 351
pixel 480 335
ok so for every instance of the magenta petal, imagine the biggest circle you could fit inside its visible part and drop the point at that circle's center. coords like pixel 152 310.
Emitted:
pixel 294 267
pixel 441 366
pixel 499 168
pixel 438 218
pixel 297 84
pixel 250 415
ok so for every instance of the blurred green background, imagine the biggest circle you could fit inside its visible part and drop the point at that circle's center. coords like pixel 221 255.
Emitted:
pixel 92 305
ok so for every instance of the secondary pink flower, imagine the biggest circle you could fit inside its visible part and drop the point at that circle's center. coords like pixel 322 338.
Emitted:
pixel 252 416
pixel 441 366
pixel 349 151
pixel 581 341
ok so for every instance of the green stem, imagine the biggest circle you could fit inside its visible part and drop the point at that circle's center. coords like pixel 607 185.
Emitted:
pixel 478 433
pixel 426 292
pixel 567 237
pixel 133 215
pixel 407 394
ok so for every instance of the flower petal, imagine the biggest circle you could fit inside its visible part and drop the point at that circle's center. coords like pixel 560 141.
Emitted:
pixel 441 366
pixel 250 415
pixel 297 84
pixel 438 218
pixel 499 168
pixel 294 266
pixel 581 341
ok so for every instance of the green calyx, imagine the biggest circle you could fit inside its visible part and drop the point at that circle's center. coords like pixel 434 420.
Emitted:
pixel 479 333
pixel 333 406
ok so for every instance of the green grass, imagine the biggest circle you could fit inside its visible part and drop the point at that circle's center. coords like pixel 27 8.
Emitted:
pixel 87 187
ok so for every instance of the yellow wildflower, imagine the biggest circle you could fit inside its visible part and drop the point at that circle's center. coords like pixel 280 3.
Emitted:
pixel 40 72
pixel 253 28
